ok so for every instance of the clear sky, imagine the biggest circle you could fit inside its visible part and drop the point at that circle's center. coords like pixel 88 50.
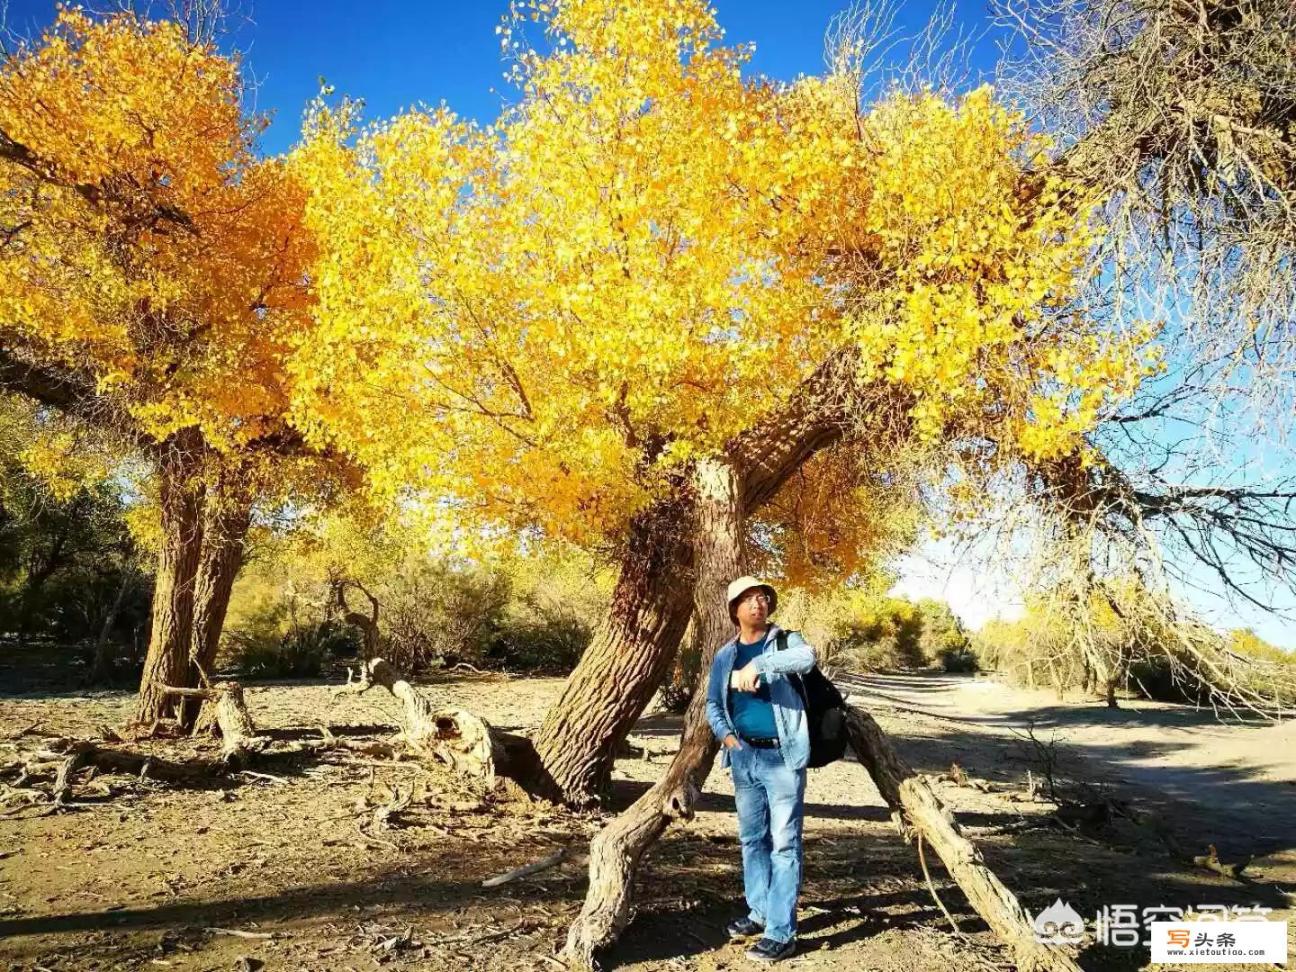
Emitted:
pixel 394 54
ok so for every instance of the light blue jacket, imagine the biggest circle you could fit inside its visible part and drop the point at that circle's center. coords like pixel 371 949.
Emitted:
pixel 775 666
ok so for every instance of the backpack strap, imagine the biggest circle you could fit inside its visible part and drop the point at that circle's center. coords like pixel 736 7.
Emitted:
pixel 798 681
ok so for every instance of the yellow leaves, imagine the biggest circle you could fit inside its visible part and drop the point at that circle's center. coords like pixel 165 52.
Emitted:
pixel 157 257
pixel 540 322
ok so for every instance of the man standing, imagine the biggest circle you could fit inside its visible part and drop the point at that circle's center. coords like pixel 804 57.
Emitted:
pixel 756 712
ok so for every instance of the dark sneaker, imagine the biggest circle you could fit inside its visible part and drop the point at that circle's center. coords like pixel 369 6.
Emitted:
pixel 768 950
pixel 744 927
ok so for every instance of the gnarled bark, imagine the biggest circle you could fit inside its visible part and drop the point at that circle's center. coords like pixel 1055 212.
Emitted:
pixel 925 814
pixel 630 654
pixel 616 851
pixel 456 737
pixel 110 760
pixel 228 716
pixel 167 662
pixel 226 516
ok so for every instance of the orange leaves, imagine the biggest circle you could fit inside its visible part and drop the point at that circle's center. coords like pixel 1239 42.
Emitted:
pixel 160 258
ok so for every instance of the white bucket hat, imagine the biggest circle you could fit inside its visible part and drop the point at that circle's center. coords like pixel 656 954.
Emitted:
pixel 744 584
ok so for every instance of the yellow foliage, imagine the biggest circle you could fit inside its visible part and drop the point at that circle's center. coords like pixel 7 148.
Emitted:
pixel 153 250
pixel 541 321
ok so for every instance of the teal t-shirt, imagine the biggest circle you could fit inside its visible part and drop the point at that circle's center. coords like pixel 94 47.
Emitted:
pixel 753 715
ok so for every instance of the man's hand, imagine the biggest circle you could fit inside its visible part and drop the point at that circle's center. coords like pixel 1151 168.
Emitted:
pixel 746 678
pixel 731 742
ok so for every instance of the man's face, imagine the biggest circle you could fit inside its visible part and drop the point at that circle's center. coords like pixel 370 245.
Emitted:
pixel 753 607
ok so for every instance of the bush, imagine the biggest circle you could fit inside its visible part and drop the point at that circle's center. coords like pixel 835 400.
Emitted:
pixel 886 636
pixel 958 659
pixel 524 611
pixel 548 644
pixel 269 641
pixel 434 611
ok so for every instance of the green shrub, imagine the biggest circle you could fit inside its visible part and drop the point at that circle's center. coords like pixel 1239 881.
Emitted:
pixel 301 653
pixel 958 659
pixel 548 643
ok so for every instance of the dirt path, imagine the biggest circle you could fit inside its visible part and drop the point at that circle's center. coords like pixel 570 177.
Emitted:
pixel 1231 783
pixel 139 876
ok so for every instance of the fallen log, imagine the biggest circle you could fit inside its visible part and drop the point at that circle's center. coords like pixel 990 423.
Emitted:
pixel 463 741
pixel 926 814
pixel 616 851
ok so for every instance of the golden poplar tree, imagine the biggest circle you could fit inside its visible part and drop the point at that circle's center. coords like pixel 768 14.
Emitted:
pixel 652 264
pixel 155 281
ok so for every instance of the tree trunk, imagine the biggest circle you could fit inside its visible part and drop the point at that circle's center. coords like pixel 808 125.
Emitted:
pixel 227 513
pixel 101 669
pixel 616 851
pixel 757 464
pixel 626 661
pixel 922 813
pixel 167 661
pixel 677 691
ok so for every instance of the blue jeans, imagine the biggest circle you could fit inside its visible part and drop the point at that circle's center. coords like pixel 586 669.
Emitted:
pixel 771 806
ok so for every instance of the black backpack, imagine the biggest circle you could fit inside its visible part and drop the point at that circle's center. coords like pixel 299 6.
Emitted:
pixel 825 712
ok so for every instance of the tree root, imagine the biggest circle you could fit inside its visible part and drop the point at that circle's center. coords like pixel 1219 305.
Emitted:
pixel 83 754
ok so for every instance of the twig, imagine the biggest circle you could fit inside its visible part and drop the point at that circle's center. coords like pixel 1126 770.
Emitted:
pixel 526 869
pixel 269 778
pixel 237 933
pixel 932 888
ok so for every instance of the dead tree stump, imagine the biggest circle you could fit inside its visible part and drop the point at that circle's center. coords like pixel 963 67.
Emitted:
pixel 225 712
pixel 463 741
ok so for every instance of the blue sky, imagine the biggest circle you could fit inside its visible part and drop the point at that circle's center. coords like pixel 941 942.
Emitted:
pixel 394 54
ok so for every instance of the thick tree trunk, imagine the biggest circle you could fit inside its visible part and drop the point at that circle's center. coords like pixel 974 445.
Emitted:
pixel 677 691
pixel 167 662
pixel 757 464
pixel 616 851
pixel 630 654
pixel 227 513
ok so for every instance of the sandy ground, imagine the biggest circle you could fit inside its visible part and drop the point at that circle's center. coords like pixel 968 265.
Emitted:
pixel 143 876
